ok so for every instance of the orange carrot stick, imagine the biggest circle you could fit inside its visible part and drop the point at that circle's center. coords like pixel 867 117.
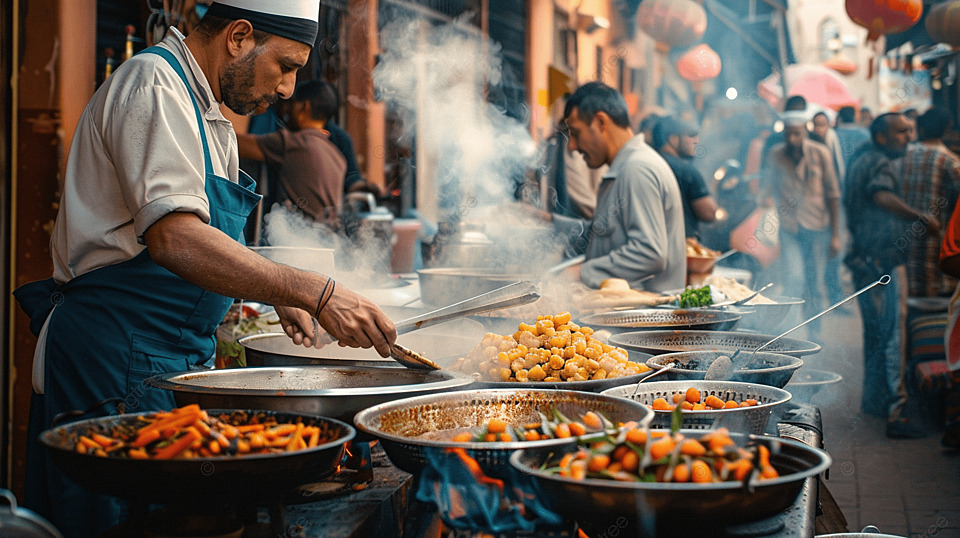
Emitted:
pixel 178 445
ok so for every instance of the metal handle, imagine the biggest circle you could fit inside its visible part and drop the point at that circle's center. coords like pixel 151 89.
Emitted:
pixel 516 294
pixel 560 267
pixel 883 281
pixel 665 368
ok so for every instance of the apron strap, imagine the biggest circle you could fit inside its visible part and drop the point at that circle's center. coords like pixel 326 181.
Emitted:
pixel 175 64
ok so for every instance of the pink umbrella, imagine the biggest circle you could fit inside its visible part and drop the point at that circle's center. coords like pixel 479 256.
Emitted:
pixel 818 84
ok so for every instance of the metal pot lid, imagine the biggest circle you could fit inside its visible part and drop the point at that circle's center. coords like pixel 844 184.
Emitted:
pixel 17 521
pixel 310 381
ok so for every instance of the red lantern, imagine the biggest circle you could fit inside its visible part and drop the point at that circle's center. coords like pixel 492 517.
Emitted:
pixel 881 17
pixel 699 63
pixel 943 22
pixel 675 23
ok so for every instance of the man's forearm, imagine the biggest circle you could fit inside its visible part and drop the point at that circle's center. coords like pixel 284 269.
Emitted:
pixel 208 258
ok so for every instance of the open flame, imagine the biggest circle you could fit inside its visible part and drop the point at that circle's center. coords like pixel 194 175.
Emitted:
pixel 467 498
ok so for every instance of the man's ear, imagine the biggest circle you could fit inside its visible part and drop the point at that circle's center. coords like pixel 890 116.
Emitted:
pixel 603 119
pixel 240 38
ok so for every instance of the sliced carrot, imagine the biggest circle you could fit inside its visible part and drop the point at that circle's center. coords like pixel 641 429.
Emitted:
pixel 592 420
pixel 661 448
pixel 102 440
pixel 577 429
pixel 496 425
pixel 462 438
pixel 700 472
pixel 178 445
pixel 681 473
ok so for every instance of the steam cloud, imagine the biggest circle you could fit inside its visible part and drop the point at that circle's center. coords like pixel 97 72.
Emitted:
pixel 439 73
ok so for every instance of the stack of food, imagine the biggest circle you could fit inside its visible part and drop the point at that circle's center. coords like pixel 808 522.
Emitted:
pixel 552 349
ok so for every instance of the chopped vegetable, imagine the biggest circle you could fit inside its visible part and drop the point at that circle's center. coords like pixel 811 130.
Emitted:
pixel 694 297
pixel 666 458
pixel 189 432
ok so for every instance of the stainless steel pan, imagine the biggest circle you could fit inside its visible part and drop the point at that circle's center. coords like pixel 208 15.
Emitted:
pixel 401 425
pixel 672 509
pixel 337 392
pixel 244 478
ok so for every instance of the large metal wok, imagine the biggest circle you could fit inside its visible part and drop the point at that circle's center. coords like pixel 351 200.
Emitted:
pixel 222 478
pixel 410 427
pixel 773 369
pixel 672 509
pixel 752 419
pixel 337 392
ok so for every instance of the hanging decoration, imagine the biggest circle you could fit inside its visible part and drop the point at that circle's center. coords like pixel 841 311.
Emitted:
pixel 881 17
pixel 672 23
pixel 943 22
pixel 699 63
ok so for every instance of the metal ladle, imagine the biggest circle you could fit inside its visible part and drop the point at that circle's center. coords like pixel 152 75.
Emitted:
pixel 722 366
pixel 665 367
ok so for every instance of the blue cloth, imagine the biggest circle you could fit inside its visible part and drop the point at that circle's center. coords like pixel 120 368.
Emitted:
pixel 884 394
pixel 108 331
pixel 344 143
pixel 692 188
pixel 809 250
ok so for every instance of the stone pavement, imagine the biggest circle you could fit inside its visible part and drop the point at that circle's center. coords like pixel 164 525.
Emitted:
pixel 902 487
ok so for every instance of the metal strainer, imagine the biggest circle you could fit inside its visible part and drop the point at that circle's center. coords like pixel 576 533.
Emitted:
pixel 659 342
pixel 658 318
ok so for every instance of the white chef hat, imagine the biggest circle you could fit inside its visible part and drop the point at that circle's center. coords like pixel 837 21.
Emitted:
pixel 794 117
pixel 293 19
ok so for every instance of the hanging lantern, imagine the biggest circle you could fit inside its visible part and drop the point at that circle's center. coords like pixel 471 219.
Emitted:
pixel 943 22
pixel 841 64
pixel 699 63
pixel 882 17
pixel 673 23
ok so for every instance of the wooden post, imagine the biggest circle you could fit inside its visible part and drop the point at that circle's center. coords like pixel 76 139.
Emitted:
pixel 365 117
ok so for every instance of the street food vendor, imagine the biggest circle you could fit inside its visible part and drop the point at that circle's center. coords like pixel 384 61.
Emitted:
pixel 637 228
pixel 148 249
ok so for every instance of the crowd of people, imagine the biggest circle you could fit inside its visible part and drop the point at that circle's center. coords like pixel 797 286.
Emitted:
pixel 890 179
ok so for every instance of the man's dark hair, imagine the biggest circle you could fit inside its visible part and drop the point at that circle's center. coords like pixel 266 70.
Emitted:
pixel 595 97
pixel 650 122
pixel 210 25
pixel 795 102
pixel 847 114
pixel 933 123
pixel 322 98
pixel 881 125
pixel 824 114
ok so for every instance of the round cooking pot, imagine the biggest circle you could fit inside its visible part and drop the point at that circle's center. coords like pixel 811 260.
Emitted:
pixel 15 521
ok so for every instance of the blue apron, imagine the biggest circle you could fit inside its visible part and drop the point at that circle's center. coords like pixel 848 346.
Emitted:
pixel 110 329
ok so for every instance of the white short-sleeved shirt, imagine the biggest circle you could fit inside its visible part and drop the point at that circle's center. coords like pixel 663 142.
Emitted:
pixel 136 156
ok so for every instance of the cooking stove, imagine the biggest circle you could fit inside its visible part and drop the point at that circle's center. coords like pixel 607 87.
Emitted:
pixel 248 520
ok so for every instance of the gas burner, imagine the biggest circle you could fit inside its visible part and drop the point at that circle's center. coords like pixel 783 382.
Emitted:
pixel 212 522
